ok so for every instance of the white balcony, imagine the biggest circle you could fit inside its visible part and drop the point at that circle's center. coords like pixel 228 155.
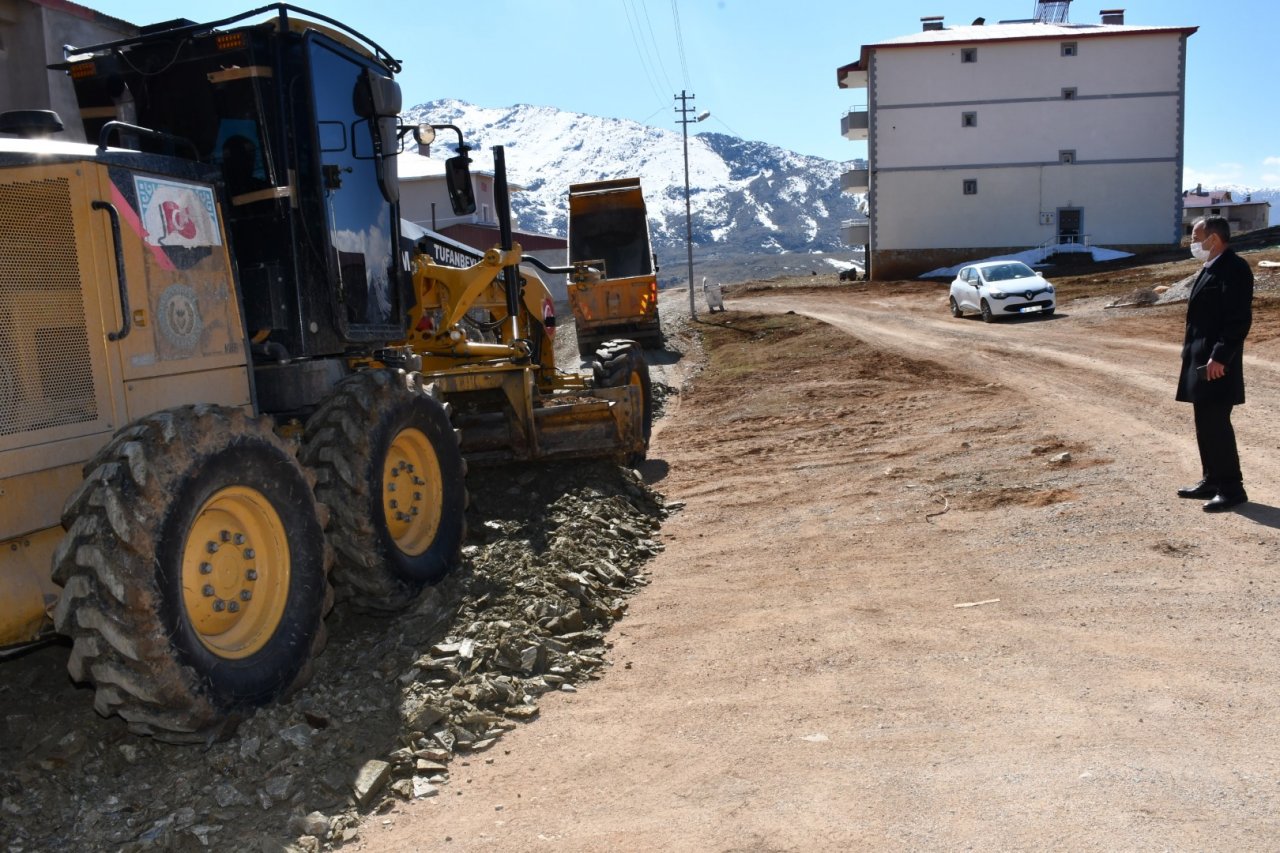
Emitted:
pixel 850 77
pixel 856 233
pixel 854 124
pixel 855 180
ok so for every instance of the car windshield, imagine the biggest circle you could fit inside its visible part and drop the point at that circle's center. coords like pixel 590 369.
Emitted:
pixel 1007 272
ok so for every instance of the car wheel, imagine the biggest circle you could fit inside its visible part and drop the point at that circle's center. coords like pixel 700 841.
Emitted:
pixel 955 308
pixel 987 316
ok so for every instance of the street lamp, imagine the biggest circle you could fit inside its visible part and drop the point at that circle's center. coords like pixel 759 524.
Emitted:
pixel 684 109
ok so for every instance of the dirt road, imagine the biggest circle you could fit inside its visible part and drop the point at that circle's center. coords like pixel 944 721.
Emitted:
pixel 931 590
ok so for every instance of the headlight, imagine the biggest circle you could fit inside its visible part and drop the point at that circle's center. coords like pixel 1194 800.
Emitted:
pixel 1051 288
pixel 997 294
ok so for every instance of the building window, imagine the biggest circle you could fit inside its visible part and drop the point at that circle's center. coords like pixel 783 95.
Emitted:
pixel 968 119
pixel 1066 156
pixel 970 186
pixel 1069 94
pixel 968 54
pixel 1068 48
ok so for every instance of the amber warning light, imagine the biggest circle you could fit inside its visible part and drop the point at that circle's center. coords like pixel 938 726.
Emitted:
pixel 230 41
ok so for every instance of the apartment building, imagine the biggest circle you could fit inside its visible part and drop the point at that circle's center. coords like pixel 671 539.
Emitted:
pixel 988 139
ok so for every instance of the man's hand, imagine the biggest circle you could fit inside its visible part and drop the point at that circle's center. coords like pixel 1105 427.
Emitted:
pixel 1214 370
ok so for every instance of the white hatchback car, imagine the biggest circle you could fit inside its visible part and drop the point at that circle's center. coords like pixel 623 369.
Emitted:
pixel 1000 289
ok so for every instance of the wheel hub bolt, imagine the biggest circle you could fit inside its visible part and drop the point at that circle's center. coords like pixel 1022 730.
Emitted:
pixel 211 547
pixel 233 606
pixel 219 605
pixel 394 503
pixel 208 590
pixel 206 568
pixel 239 538
pixel 248 553
pixel 245 595
pixel 251 575
pixel 391 487
pixel 417 496
pixel 225 536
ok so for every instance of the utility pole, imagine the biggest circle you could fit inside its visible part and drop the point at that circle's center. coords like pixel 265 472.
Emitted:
pixel 684 121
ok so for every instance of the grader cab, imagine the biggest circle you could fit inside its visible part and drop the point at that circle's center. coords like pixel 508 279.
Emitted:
pixel 217 403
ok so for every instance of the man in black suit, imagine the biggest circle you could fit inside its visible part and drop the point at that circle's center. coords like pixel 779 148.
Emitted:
pixel 1219 314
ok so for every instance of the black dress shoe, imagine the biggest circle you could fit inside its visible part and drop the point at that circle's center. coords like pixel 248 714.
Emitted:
pixel 1202 490
pixel 1224 502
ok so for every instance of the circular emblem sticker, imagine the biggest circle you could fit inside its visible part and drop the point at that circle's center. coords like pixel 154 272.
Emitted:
pixel 179 318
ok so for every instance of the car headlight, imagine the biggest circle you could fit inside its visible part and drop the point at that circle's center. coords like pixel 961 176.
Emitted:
pixel 997 294
pixel 1050 288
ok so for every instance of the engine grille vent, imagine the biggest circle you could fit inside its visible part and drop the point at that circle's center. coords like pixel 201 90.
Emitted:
pixel 46 377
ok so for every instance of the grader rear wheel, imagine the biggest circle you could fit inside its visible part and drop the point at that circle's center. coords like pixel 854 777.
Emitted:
pixel 194 573
pixel 387 462
pixel 621 362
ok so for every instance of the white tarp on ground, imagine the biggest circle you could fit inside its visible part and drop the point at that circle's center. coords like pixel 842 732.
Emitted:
pixel 1031 257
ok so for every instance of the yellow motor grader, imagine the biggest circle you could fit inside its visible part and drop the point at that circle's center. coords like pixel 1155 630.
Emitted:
pixel 228 389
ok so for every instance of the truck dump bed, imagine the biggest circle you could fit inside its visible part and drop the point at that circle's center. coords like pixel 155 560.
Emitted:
pixel 616 294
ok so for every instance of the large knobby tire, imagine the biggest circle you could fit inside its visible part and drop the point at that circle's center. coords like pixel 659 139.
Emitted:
pixel 388 463
pixel 194 573
pixel 620 363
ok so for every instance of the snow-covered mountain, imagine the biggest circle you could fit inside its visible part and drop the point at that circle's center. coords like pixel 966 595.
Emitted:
pixel 747 198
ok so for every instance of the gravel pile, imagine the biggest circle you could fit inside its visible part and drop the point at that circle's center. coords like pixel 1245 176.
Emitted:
pixel 552 554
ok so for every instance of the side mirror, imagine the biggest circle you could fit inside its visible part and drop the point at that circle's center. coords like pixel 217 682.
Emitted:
pixel 377 99
pixel 457 177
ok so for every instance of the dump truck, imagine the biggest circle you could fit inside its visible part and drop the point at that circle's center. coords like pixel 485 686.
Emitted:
pixel 613 289
pixel 229 391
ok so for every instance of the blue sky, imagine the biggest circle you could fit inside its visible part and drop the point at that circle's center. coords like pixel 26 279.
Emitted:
pixel 765 69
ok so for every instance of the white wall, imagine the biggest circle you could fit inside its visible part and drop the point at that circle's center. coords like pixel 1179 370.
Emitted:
pixel 1119 206
pixel 1028 132
pixel 1035 68
pixel 418 194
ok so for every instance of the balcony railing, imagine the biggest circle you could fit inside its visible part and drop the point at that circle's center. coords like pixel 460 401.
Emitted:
pixel 855 180
pixel 855 123
pixel 1063 244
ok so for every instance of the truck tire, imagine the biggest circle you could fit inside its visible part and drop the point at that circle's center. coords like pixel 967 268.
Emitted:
pixel 621 362
pixel 194 573
pixel 387 461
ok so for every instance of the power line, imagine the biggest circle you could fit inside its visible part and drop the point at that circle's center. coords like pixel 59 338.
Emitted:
pixel 654 40
pixel 640 52
pixel 684 66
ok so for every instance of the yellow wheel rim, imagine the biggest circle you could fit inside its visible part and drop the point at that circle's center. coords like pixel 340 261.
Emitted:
pixel 412 492
pixel 235 572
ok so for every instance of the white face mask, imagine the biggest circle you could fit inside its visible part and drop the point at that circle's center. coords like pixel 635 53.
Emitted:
pixel 1199 252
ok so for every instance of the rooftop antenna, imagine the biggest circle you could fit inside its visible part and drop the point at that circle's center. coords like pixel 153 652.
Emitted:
pixel 1052 11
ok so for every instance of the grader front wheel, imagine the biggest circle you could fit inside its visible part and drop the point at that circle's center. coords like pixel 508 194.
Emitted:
pixel 194 573
pixel 387 462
